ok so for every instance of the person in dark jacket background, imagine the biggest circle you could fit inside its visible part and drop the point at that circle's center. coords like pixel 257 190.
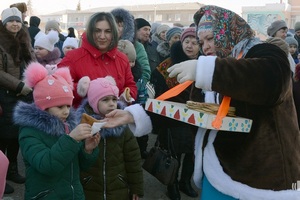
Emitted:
pixel 34 29
pixel 182 134
pixel 71 32
pixel 15 53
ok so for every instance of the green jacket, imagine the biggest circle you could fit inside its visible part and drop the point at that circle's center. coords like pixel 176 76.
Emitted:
pixel 142 58
pixel 52 158
pixel 117 170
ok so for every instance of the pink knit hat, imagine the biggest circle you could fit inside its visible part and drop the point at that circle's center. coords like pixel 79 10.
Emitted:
pixel 97 89
pixel 49 90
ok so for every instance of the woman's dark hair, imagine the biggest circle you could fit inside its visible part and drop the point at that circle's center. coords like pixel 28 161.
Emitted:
pixel 91 26
pixel 71 32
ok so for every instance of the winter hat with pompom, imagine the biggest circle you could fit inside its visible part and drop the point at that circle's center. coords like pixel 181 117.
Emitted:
pixel 49 90
pixel 70 42
pixel 97 89
pixel 46 41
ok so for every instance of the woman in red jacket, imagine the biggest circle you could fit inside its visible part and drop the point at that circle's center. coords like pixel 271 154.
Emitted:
pixel 98 56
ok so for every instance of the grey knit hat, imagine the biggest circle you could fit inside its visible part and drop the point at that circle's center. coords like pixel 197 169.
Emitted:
pixel 10 14
pixel 127 47
pixel 291 41
pixel 172 31
pixel 161 28
pixel 276 26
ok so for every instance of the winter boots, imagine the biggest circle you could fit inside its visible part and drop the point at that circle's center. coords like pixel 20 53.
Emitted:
pixel 173 191
pixel 8 189
pixel 14 176
pixel 13 173
pixel 186 175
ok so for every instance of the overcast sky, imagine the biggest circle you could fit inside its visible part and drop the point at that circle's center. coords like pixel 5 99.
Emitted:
pixel 48 6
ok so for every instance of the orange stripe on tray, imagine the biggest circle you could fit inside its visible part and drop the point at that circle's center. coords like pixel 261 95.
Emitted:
pixel 222 112
pixel 223 109
pixel 174 91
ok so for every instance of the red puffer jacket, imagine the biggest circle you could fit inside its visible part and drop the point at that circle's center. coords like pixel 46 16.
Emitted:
pixel 89 61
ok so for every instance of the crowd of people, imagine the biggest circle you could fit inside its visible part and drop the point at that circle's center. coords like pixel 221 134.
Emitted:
pixel 55 89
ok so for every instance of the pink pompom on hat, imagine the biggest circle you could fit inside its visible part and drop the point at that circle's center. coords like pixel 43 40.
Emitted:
pixel 97 89
pixel 49 90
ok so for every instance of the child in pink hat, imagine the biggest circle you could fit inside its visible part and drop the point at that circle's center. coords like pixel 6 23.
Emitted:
pixel 53 146
pixel 120 161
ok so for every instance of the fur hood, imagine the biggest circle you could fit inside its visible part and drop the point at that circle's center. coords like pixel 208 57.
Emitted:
pixel 157 39
pixel 177 54
pixel 34 21
pixel 51 58
pixel 128 22
pixel 163 49
pixel 105 132
pixel 18 47
pixel 30 115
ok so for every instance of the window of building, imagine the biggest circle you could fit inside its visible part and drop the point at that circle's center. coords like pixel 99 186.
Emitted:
pixel 191 17
pixel 177 17
pixel 293 21
pixel 169 18
pixel 149 18
pixel 158 18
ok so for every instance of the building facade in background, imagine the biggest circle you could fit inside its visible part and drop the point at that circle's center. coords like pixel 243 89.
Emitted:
pixel 179 13
pixel 259 17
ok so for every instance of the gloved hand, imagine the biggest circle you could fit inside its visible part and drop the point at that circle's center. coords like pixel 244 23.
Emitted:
pixel 25 90
pixel 184 71
pixel 83 86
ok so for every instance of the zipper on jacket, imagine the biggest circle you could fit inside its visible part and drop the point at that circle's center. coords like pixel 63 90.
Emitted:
pixel 72 187
pixel 104 170
pixel 41 194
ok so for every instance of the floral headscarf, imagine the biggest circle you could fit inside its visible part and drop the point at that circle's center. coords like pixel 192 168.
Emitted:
pixel 228 28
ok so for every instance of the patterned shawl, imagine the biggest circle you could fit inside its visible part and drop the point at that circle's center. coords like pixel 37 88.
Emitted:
pixel 228 28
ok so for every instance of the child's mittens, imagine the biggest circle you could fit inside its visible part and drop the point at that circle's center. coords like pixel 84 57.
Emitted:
pixel 83 86
pixel 126 96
